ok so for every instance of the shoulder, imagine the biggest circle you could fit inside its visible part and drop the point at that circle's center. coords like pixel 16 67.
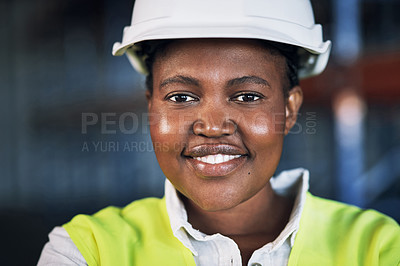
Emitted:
pixel 60 250
pixel 118 219
pixel 115 228
pixel 347 234
pixel 116 216
pixel 88 239
pixel 345 217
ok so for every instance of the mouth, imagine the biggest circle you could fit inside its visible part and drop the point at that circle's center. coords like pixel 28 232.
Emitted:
pixel 215 160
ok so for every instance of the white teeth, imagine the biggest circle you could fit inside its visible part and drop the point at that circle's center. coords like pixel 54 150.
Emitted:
pixel 226 158
pixel 217 158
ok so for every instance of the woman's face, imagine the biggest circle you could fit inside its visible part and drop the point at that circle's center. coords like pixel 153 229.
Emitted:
pixel 218 118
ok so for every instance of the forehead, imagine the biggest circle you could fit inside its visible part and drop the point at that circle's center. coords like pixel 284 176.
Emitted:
pixel 213 45
pixel 216 55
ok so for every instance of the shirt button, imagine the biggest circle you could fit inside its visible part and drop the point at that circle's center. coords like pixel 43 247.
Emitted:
pixel 256 264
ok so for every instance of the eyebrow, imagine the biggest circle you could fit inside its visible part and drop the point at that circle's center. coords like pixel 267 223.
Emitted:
pixel 185 80
pixel 248 79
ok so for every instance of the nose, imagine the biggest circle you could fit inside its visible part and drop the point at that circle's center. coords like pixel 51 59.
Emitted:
pixel 214 125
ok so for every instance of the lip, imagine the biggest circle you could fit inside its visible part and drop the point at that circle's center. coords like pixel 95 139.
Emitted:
pixel 216 170
pixel 207 170
pixel 213 149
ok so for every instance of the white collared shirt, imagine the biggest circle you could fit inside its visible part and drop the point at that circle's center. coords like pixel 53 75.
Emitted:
pixel 220 250
pixel 208 250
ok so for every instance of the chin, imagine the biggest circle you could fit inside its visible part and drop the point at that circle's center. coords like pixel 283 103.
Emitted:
pixel 219 202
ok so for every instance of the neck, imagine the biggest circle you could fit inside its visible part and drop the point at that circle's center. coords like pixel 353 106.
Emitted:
pixel 264 214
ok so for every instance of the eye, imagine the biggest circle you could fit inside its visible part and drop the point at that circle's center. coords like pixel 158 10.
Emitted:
pixel 247 97
pixel 181 98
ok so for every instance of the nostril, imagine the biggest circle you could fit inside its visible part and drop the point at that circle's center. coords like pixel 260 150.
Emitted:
pixel 229 127
pixel 203 128
pixel 198 127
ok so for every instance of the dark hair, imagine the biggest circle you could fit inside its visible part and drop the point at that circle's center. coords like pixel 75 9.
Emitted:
pixel 151 49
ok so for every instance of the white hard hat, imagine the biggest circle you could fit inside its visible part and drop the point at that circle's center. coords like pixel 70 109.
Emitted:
pixel 284 21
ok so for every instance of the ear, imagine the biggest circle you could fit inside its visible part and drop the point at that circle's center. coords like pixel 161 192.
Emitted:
pixel 149 99
pixel 293 103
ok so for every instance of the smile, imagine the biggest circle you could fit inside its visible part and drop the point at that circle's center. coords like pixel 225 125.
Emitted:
pixel 218 165
pixel 216 159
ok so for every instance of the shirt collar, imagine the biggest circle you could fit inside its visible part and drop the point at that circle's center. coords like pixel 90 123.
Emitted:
pixel 178 216
pixel 293 183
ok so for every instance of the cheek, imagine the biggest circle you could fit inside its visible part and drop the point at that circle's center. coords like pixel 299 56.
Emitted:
pixel 161 125
pixel 264 137
pixel 162 133
pixel 165 144
pixel 265 123
pixel 169 125
pixel 168 131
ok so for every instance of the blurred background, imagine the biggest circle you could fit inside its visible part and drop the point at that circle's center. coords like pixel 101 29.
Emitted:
pixel 74 135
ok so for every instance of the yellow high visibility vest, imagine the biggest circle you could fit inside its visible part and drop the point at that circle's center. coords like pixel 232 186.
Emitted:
pixel 330 233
